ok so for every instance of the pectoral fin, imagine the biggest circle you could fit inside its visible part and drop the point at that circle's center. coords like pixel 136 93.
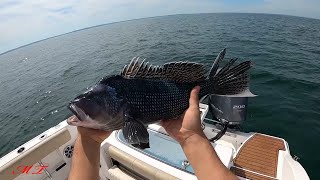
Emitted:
pixel 135 133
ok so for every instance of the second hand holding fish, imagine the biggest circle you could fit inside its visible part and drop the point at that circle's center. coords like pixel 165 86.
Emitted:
pixel 198 150
pixel 189 123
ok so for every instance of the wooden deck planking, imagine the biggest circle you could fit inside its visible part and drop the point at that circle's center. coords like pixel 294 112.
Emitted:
pixel 249 175
pixel 259 154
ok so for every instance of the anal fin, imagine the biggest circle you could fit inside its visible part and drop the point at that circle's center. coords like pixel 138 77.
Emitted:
pixel 141 145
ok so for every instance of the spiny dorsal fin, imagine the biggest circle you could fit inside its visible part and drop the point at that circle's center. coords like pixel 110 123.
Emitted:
pixel 174 71
pixel 216 62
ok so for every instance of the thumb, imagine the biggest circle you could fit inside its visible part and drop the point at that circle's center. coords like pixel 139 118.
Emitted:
pixel 194 97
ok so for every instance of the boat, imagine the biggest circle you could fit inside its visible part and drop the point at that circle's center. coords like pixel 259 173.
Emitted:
pixel 250 155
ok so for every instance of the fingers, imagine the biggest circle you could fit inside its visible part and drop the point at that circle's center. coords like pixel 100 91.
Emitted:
pixel 194 97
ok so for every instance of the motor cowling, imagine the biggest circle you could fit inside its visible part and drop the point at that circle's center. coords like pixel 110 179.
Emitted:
pixel 230 108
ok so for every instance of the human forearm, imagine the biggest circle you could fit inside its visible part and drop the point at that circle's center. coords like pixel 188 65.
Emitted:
pixel 204 159
pixel 86 159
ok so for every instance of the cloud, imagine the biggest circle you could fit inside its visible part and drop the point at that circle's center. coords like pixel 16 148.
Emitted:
pixel 304 8
pixel 26 21
pixel 23 22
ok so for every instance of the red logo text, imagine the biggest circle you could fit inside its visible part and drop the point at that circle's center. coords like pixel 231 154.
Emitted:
pixel 25 169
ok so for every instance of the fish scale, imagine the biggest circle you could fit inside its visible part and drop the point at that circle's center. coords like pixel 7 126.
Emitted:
pixel 153 100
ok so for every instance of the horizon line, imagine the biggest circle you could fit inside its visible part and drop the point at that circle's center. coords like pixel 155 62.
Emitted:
pixel 146 18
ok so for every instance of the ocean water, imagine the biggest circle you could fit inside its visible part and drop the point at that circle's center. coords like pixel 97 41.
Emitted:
pixel 37 81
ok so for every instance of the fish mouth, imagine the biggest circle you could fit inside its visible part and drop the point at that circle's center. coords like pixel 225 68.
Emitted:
pixel 76 111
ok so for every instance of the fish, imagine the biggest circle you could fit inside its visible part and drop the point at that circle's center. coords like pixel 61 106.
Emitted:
pixel 143 93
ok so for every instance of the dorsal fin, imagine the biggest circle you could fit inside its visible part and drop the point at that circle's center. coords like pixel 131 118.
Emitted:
pixel 216 62
pixel 173 71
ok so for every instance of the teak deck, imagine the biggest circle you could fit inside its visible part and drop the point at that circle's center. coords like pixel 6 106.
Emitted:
pixel 260 155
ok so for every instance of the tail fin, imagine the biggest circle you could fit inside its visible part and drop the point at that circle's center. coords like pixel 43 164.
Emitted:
pixel 229 79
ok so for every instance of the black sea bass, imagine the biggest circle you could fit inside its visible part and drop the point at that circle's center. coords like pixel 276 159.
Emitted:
pixel 142 94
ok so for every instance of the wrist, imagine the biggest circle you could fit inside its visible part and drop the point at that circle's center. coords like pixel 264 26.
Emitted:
pixel 91 135
pixel 192 137
pixel 88 140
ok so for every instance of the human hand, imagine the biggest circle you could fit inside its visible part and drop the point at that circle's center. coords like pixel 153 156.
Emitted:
pixel 94 135
pixel 189 123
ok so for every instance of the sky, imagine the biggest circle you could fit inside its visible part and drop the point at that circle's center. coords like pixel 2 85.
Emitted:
pixel 26 21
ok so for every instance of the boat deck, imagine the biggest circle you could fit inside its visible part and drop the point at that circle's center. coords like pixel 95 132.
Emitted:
pixel 258 157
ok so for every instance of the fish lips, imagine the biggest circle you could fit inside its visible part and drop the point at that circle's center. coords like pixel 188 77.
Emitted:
pixel 73 108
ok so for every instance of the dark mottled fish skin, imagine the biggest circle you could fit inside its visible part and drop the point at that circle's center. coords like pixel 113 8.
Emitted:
pixel 152 100
pixel 143 94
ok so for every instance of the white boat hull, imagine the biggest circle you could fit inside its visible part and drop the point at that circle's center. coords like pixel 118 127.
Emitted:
pixel 51 151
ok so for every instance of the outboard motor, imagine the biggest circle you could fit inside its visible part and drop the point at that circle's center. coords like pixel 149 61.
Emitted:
pixel 230 110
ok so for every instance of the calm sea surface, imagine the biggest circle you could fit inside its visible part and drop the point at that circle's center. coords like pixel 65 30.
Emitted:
pixel 37 81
